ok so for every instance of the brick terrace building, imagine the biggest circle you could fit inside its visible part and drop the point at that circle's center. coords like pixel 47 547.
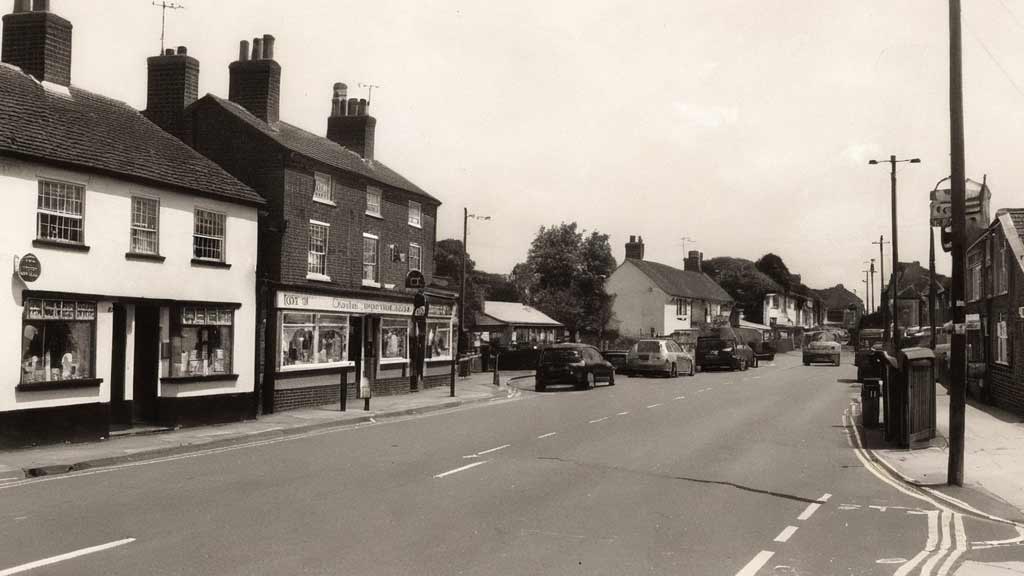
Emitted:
pixel 341 233
pixel 140 305
pixel 995 292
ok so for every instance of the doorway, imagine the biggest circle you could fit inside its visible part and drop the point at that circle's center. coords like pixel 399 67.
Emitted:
pixel 120 409
pixel 147 363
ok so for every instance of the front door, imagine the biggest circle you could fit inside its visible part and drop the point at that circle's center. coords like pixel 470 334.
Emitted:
pixel 120 409
pixel 147 359
pixel 370 330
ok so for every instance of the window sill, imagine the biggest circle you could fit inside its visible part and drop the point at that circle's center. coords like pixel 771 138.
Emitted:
pixel 58 385
pixel 393 361
pixel 69 246
pixel 445 359
pixel 377 216
pixel 192 379
pixel 318 277
pixel 417 226
pixel 322 201
pixel 210 263
pixel 144 257
pixel 315 368
pixel 371 284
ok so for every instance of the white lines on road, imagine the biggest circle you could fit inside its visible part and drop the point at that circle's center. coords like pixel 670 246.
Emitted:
pixel 623 413
pixel 654 405
pixel 548 435
pixel 756 563
pixel 503 446
pixel 595 421
pixel 679 398
pixel 933 540
pixel 785 534
pixel 813 507
pixel 63 557
pixel 450 472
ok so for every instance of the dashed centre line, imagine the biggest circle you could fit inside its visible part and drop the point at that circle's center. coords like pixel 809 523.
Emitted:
pixel 503 446
pixel 654 405
pixel 786 534
pixel 679 398
pixel 448 473
pixel 595 421
pixel 63 557
pixel 813 507
pixel 756 563
pixel 623 413
pixel 548 435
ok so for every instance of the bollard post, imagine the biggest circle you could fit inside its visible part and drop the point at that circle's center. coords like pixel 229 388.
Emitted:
pixel 344 390
pixel 497 375
pixel 366 404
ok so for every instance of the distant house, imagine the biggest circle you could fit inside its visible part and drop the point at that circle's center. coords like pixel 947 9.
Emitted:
pixel 514 325
pixel 995 309
pixel 912 302
pixel 653 299
pixel 842 308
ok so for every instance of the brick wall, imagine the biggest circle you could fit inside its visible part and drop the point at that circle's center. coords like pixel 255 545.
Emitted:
pixel 40 44
pixel 172 85
pixel 1006 383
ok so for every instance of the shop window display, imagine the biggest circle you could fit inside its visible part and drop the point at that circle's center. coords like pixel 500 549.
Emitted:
pixel 439 340
pixel 394 340
pixel 57 340
pixel 312 340
pixel 201 341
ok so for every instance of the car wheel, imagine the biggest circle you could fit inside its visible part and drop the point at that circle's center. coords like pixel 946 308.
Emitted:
pixel 756 361
pixel 591 381
pixel 611 379
pixel 837 360
pixel 771 358
pixel 672 373
pixel 540 386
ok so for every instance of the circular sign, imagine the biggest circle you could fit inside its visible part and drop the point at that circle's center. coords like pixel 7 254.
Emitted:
pixel 29 268
pixel 415 279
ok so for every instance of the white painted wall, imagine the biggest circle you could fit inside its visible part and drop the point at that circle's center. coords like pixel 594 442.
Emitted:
pixel 104 270
pixel 672 321
pixel 639 304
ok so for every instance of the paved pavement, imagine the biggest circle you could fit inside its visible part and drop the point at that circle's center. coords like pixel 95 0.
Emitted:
pixel 152 443
pixel 756 472
pixel 993 459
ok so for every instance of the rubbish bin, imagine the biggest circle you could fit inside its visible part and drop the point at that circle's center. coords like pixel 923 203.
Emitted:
pixel 464 367
pixel 870 393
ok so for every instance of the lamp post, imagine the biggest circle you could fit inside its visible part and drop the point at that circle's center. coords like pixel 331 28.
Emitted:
pixel 894 281
pixel 881 285
pixel 462 292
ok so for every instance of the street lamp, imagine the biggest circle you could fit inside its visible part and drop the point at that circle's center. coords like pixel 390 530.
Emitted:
pixel 462 291
pixel 894 279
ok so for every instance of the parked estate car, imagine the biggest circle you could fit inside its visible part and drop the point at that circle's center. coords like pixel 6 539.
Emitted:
pixel 821 346
pixel 579 364
pixel 718 352
pixel 760 341
pixel 617 358
pixel 660 355
pixel 866 358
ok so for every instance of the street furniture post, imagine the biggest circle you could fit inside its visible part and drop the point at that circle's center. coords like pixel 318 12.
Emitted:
pixel 958 348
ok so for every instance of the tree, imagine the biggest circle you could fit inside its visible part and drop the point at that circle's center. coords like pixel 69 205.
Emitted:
pixel 495 287
pixel 776 269
pixel 448 262
pixel 564 275
pixel 744 282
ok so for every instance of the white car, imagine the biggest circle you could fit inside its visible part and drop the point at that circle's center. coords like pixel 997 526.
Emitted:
pixel 657 355
pixel 821 346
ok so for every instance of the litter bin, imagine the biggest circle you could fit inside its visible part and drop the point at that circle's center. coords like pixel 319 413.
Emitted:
pixel 870 393
pixel 464 367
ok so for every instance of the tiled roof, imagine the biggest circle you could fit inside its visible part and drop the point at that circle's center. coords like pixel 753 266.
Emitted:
pixel 518 314
pixel 838 298
pixel 91 132
pixel 682 283
pixel 321 149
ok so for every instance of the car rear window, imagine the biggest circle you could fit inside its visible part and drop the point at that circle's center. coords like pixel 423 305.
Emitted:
pixel 819 337
pixel 560 355
pixel 649 347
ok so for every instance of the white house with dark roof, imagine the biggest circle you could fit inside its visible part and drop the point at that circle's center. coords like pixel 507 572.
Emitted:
pixel 512 324
pixel 653 299
pixel 133 289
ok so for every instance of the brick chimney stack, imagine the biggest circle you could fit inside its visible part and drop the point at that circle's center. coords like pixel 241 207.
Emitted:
pixel 255 82
pixel 350 124
pixel 694 261
pixel 635 248
pixel 38 41
pixel 173 85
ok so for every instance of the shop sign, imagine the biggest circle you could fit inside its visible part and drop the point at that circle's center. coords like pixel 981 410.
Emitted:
pixel 973 321
pixel 29 268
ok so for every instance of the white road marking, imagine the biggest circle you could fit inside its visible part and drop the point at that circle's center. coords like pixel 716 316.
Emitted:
pixel 811 509
pixel 756 563
pixel 679 398
pixel 824 497
pixel 598 420
pixel 503 446
pixel 785 534
pixel 63 557
pixel 450 472
pixel 933 540
pixel 654 405
pixel 548 435
pixel 947 518
pixel 623 413
pixel 961 545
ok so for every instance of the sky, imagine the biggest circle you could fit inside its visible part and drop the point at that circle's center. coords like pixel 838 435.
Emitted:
pixel 743 125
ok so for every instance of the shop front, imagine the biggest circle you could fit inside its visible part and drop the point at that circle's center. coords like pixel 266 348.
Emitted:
pixel 368 347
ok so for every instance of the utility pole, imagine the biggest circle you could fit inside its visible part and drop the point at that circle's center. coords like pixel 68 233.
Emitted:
pixel 871 295
pixel 462 300
pixel 894 273
pixel 164 7
pixel 931 283
pixel 957 390
pixel 881 286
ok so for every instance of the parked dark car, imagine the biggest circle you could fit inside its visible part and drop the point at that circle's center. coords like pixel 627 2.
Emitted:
pixel 760 341
pixel 717 352
pixel 579 364
pixel 617 358
pixel 867 358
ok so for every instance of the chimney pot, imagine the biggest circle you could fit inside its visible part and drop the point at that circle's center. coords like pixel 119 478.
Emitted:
pixel 40 5
pixel 257 49
pixel 243 51
pixel 268 47
pixel 338 100
pixel 632 238
pixel 169 52
pixel 362 107
pixel 182 51
pixel 255 84
pixel 353 107
pixel 22 6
